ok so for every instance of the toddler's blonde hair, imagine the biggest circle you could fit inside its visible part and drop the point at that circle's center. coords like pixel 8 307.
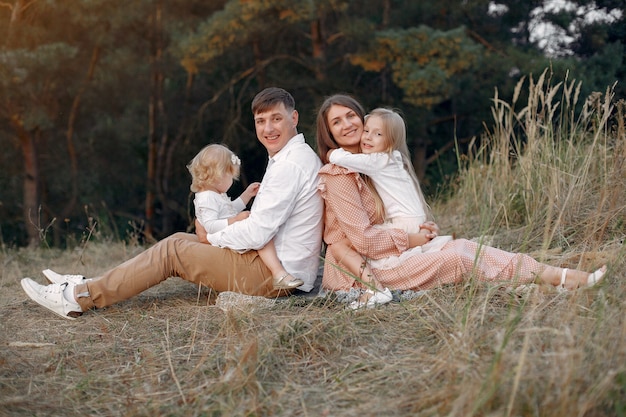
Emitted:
pixel 210 164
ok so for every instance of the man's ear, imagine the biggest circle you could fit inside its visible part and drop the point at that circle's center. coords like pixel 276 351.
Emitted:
pixel 295 116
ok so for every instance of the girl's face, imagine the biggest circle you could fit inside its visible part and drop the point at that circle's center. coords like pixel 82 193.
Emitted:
pixel 346 127
pixel 373 140
pixel 223 183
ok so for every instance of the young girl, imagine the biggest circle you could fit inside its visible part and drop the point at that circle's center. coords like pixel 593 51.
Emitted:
pixel 213 171
pixel 385 160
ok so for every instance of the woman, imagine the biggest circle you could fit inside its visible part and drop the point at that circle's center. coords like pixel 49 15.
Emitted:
pixel 350 212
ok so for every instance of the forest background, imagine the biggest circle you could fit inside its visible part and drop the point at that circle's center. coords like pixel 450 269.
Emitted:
pixel 103 103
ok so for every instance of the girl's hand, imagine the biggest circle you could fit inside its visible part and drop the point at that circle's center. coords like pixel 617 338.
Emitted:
pixel 250 192
pixel 253 188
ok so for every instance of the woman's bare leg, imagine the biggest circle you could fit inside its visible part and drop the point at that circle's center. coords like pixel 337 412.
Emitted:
pixel 354 263
pixel 574 278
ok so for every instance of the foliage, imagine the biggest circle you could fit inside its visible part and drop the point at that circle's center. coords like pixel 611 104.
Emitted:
pixel 89 90
pixel 424 62
pixel 546 179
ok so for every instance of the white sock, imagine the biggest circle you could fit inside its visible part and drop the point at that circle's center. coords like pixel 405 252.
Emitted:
pixel 68 294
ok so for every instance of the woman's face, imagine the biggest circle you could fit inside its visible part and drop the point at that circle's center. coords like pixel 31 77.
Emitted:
pixel 346 127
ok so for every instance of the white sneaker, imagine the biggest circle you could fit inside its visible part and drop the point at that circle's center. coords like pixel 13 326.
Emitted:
pixel 56 278
pixel 378 298
pixel 51 297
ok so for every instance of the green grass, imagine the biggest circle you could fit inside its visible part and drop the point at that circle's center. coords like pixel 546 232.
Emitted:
pixel 544 179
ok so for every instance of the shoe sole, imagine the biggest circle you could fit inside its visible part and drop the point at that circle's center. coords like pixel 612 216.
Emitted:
pixel 32 294
pixel 290 286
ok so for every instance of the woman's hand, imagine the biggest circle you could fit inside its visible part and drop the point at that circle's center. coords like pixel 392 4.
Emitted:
pixel 431 228
pixel 428 231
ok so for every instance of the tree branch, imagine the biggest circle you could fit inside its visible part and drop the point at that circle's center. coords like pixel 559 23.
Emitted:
pixel 484 42
pixel 445 148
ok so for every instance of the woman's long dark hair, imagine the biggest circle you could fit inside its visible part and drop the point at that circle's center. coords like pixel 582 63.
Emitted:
pixel 326 142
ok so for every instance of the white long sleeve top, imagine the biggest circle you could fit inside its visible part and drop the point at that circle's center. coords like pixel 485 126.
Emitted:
pixel 392 181
pixel 214 209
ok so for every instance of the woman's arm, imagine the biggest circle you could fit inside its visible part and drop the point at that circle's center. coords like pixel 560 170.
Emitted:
pixel 349 212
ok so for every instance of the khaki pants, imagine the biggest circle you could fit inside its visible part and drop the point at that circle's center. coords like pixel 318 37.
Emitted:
pixel 179 255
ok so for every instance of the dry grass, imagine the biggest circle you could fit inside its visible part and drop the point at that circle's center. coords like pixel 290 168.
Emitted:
pixel 459 351
pixel 465 350
pixel 556 174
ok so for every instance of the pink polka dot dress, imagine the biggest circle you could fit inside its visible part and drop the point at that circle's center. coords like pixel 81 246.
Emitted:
pixel 350 212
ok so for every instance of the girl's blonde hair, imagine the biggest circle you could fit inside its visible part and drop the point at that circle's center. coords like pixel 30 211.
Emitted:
pixel 210 164
pixel 394 131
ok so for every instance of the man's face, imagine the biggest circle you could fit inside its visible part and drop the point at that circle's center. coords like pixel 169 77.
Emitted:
pixel 275 127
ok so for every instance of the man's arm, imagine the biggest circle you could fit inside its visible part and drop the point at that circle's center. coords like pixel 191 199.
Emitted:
pixel 272 206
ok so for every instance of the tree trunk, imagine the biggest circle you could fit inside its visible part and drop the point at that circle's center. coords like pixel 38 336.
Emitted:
pixel 30 209
pixel 69 136
pixel 28 146
pixel 16 15
pixel 317 41
pixel 161 174
pixel 420 147
pixel 169 156
pixel 153 122
pixel 151 168
pixel 419 160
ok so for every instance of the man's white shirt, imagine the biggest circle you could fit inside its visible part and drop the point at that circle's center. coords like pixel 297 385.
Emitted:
pixel 287 208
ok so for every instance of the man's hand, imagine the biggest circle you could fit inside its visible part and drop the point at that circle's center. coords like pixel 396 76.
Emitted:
pixel 201 233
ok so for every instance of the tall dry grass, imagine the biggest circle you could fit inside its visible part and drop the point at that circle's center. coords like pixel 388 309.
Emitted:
pixel 554 170
pixel 545 178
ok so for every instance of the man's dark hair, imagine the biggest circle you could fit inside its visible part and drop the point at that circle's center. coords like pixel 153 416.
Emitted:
pixel 270 97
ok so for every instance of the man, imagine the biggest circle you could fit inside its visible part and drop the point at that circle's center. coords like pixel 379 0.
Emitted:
pixel 287 208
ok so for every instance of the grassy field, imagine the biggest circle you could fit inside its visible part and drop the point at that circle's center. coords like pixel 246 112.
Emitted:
pixel 556 190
